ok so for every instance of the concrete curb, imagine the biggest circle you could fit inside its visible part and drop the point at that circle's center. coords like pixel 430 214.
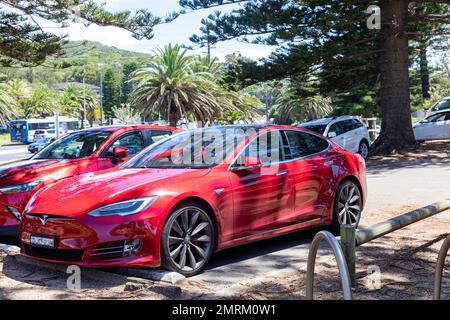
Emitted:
pixel 151 274
pixel 9 248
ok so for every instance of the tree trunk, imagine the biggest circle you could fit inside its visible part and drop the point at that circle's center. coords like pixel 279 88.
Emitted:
pixel 424 72
pixel 171 113
pixel 396 130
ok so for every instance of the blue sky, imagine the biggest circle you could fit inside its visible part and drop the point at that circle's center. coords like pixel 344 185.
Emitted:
pixel 178 31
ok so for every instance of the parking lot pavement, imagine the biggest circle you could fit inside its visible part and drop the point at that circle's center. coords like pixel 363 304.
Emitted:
pixel 395 185
pixel 11 153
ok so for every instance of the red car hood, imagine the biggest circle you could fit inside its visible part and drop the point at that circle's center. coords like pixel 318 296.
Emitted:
pixel 78 195
pixel 29 170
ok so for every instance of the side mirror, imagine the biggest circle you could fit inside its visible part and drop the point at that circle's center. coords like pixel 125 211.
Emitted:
pixel 120 152
pixel 332 134
pixel 250 162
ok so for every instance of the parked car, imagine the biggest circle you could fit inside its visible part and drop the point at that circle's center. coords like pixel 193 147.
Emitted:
pixel 38 146
pixel 77 153
pixel 347 131
pixel 41 135
pixel 433 127
pixel 441 105
pixel 171 206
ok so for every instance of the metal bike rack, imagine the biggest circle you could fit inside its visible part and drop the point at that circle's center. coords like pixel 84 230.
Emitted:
pixel 344 247
pixel 440 268
pixel 340 259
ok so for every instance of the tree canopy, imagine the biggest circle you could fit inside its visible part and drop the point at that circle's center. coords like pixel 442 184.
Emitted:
pixel 329 43
pixel 24 41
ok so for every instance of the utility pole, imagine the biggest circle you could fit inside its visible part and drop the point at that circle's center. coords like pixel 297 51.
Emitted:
pixel 100 65
pixel 208 43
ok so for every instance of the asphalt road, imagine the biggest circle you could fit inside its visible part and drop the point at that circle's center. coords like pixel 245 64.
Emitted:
pixel 10 153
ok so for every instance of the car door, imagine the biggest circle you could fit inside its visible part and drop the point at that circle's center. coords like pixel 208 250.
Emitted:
pixel 307 174
pixel 337 129
pixel 432 127
pixel 261 195
pixel 133 141
pixel 446 134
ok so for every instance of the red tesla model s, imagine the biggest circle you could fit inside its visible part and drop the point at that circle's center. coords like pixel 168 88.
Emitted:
pixel 77 153
pixel 194 193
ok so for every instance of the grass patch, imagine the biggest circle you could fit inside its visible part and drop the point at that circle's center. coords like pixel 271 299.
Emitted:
pixel 5 139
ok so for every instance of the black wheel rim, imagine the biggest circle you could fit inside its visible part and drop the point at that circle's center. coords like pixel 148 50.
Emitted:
pixel 349 205
pixel 190 238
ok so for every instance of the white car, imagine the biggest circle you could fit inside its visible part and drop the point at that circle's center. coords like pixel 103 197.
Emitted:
pixel 347 131
pixel 41 135
pixel 434 127
pixel 441 105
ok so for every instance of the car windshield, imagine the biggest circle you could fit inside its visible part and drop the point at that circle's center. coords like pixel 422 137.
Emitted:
pixel 318 128
pixel 195 149
pixel 73 146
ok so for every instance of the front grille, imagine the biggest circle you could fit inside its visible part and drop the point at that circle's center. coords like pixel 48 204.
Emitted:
pixel 57 254
pixel 112 250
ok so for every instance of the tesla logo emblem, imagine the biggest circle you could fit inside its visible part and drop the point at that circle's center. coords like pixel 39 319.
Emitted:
pixel 43 219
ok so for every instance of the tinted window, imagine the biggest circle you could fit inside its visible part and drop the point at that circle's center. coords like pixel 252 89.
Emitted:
pixel 357 124
pixel 267 147
pixel 133 142
pixel 436 117
pixel 442 105
pixel 76 145
pixel 300 144
pixel 337 128
pixel 156 135
pixel 316 128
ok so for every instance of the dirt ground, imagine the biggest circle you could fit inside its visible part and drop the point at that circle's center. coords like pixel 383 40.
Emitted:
pixel 406 260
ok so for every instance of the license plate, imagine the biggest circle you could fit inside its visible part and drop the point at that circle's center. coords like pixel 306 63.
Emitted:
pixel 40 241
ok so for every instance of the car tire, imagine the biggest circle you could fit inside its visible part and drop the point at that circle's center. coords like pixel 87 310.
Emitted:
pixel 363 149
pixel 347 206
pixel 188 239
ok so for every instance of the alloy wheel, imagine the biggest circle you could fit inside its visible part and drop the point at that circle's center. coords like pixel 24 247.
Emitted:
pixel 349 205
pixel 364 150
pixel 190 238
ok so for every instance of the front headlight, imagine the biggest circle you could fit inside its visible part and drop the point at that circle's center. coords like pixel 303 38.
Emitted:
pixel 124 208
pixel 23 187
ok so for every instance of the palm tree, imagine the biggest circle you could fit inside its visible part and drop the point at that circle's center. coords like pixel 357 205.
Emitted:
pixel 126 114
pixel 80 102
pixel 43 102
pixel 292 105
pixel 9 107
pixel 19 89
pixel 177 85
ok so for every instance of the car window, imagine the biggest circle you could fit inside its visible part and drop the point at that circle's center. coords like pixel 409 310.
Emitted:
pixel 318 128
pixel 73 146
pixel 300 144
pixel 357 124
pixel 436 117
pixel 132 141
pixel 268 152
pixel 156 135
pixel 441 105
pixel 337 127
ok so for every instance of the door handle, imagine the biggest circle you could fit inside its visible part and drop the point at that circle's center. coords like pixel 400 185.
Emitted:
pixel 282 173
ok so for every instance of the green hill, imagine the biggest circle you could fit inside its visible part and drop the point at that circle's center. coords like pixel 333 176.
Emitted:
pixel 80 58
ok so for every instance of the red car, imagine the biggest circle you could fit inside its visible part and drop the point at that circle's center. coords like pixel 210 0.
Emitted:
pixel 194 193
pixel 77 153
